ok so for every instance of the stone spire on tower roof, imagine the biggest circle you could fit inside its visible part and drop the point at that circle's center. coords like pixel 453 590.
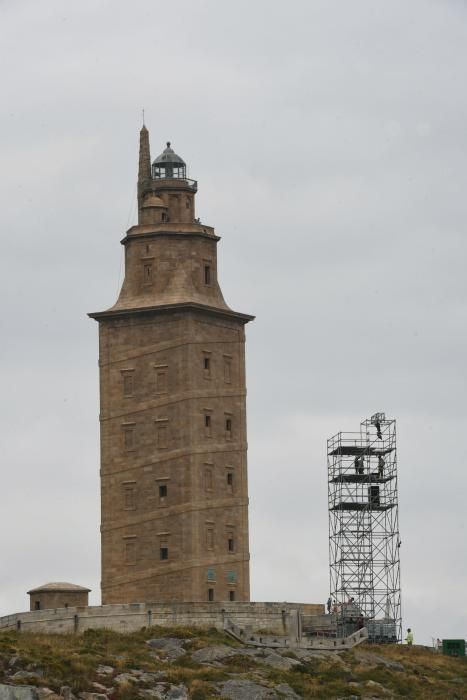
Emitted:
pixel 144 170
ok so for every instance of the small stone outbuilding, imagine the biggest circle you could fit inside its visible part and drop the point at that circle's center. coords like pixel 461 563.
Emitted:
pixel 58 595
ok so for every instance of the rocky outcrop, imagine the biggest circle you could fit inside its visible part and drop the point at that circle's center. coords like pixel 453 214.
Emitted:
pixel 18 692
pixel 201 665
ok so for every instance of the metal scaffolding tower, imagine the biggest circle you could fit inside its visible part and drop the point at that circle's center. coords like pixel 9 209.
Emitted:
pixel 364 537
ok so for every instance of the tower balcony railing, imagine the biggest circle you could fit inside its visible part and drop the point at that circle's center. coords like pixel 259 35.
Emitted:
pixel 182 182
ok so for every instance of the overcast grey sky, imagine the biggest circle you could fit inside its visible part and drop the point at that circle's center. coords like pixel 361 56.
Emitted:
pixel 329 142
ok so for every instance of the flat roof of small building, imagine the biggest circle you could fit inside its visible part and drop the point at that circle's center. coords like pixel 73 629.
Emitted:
pixel 59 586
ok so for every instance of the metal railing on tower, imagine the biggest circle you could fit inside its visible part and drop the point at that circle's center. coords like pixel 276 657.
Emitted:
pixel 364 538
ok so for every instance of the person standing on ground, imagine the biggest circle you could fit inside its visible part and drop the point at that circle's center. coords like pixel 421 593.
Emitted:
pixel 409 638
pixel 329 605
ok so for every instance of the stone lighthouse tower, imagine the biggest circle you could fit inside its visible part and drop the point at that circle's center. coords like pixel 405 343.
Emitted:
pixel 172 408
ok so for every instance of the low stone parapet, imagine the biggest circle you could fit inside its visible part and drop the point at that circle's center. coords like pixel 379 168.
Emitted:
pixel 270 618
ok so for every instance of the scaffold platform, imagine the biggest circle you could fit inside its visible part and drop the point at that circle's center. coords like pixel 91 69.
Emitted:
pixel 364 539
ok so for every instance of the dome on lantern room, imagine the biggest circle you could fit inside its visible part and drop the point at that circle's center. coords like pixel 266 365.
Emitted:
pixel 169 164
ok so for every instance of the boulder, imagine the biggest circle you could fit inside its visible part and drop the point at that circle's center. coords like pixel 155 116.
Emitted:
pixel 66 694
pixel 104 670
pixel 125 678
pixel 213 655
pixel 99 687
pixel 282 663
pixel 177 692
pixel 172 647
pixel 246 690
pixel 377 687
pixel 157 692
pixel 286 692
pixel 18 692
pixel 149 677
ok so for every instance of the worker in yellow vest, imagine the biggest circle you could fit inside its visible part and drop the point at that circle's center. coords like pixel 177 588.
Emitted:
pixel 409 638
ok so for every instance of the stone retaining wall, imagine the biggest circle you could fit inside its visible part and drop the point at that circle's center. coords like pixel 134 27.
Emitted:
pixel 275 618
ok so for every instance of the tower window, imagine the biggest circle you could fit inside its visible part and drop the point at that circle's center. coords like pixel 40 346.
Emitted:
pixel 209 538
pixel 161 379
pixel 164 553
pixel 207 275
pixel 129 497
pixel 207 365
pixel 208 479
pixel 163 217
pixel 37 605
pixel 128 386
pixel 231 544
pixel 207 424
pixel 227 370
pixel 187 203
pixel 129 439
pixel 147 273
pixel 162 441
pixel 163 491
pixel 210 594
pixel 230 481
pixel 228 428
pixel 231 595
pixel 130 551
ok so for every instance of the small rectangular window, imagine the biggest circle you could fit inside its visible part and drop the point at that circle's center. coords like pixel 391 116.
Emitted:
pixel 207 275
pixel 207 424
pixel 147 274
pixel 231 595
pixel 210 538
pixel 161 381
pixel 210 594
pixel 127 384
pixel 231 544
pixel 162 490
pixel 161 437
pixel 227 370
pixel 130 551
pixel 164 553
pixel 228 428
pixel 129 498
pixel 230 481
pixel 207 367
pixel 208 479
pixel 129 439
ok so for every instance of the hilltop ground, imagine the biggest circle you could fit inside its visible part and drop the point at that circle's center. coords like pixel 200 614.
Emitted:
pixel 178 664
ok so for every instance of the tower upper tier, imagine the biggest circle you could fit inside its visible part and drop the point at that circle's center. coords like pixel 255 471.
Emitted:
pixel 170 256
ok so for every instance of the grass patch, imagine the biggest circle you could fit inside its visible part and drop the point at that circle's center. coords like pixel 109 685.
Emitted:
pixel 73 660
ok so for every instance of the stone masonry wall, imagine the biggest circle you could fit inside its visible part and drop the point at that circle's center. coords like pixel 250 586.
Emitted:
pixel 267 617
